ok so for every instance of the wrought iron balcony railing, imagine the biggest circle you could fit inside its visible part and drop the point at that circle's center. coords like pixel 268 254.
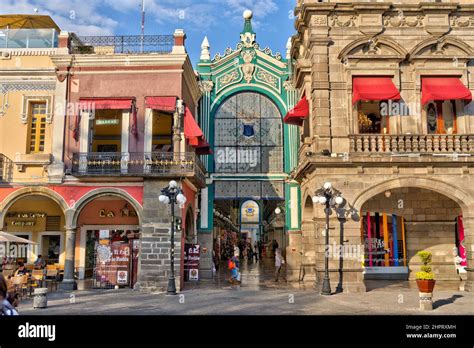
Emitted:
pixel 159 164
pixel 132 44
pixel 412 143
pixel 6 168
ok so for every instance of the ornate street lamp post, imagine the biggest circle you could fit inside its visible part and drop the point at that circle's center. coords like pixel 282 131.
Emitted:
pixel 170 195
pixel 330 198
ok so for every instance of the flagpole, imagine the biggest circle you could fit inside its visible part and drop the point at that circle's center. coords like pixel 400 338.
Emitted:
pixel 143 26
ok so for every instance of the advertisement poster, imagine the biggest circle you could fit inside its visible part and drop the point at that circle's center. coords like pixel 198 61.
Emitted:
pixel 112 266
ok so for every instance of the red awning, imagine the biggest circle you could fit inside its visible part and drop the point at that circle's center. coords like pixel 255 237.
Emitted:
pixel 297 115
pixel 192 131
pixel 203 147
pixel 444 88
pixel 105 103
pixel 161 103
pixel 374 88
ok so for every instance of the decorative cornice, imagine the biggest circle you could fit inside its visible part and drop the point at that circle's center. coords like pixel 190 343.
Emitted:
pixel 30 85
pixel 118 60
pixel 15 52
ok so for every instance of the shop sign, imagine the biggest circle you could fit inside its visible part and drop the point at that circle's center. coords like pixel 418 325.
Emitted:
pixel 106 122
pixel 125 212
pixel 103 214
pixel 104 254
pixel 192 256
pixel 122 277
pixel 113 263
pixel 104 234
pixel 23 223
pixel 31 216
pixel 24 215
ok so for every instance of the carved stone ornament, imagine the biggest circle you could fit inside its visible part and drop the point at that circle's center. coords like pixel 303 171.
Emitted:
pixel 247 39
pixel 268 78
pixel 319 20
pixel 462 22
pixel 400 20
pixel 228 78
pixel 248 67
pixel 346 21
pixel 206 86
pixel 288 86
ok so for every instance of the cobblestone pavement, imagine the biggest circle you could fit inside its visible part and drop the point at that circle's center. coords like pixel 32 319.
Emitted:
pixel 257 295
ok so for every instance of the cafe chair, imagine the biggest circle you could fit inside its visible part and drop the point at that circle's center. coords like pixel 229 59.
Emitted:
pixel 51 277
pixel 37 278
pixel 7 273
pixel 20 284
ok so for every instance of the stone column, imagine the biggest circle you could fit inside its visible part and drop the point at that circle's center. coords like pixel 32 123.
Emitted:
pixel 155 241
pixel 68 282
pixel 468 223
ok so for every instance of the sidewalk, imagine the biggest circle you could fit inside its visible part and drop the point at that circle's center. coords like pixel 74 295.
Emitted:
pixel 228 300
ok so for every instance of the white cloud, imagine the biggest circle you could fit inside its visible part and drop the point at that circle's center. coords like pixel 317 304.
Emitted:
pixel 94 17
pixel 80 16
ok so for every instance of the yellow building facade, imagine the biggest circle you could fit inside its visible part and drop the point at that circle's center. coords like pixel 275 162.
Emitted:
pixel 32 105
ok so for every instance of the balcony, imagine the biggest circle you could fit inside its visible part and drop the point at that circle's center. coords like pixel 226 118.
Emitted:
pixel 411 143
pixel 148 164
pixel 132 44
pixel 6 168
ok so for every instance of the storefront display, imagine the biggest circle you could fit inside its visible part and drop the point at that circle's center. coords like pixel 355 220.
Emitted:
pixel 384 241
pixel 115 258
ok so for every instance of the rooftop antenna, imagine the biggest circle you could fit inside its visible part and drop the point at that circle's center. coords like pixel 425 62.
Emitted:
pixel 143 26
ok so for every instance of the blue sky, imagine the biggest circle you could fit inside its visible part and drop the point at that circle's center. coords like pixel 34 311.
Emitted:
pixel 220 20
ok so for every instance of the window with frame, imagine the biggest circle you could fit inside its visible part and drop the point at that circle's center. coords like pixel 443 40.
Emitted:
pixel 248 135
pixel 37 127
pixel 370 119
pixel 441 117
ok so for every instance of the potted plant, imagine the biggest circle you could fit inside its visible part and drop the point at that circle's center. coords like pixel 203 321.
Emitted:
pixel 425 278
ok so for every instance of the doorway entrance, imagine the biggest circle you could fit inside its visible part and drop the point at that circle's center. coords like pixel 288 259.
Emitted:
pixel 111 257
pixel 51 248
pixel 256 228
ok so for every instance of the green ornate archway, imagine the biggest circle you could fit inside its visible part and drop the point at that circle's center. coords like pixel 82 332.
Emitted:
pixel 248 68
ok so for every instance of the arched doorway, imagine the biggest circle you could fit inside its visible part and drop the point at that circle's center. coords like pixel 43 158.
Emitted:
pixel 108 230
pixel 399 222
pixel 189 228
pixel 41 219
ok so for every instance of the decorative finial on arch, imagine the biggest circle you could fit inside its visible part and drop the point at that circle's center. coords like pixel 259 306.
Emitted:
pixel 247 36
pixel 205 52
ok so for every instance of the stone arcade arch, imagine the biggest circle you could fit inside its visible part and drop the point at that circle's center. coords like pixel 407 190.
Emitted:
pixel 27 191
pixel 429 210
pixel 37 214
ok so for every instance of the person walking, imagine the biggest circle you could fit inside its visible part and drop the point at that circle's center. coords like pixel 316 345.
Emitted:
pixel 279 262
pixel 256 252
pixel 237 255
pixel 249 251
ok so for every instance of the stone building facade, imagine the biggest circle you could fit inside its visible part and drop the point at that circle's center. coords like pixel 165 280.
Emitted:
pixel 413 162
